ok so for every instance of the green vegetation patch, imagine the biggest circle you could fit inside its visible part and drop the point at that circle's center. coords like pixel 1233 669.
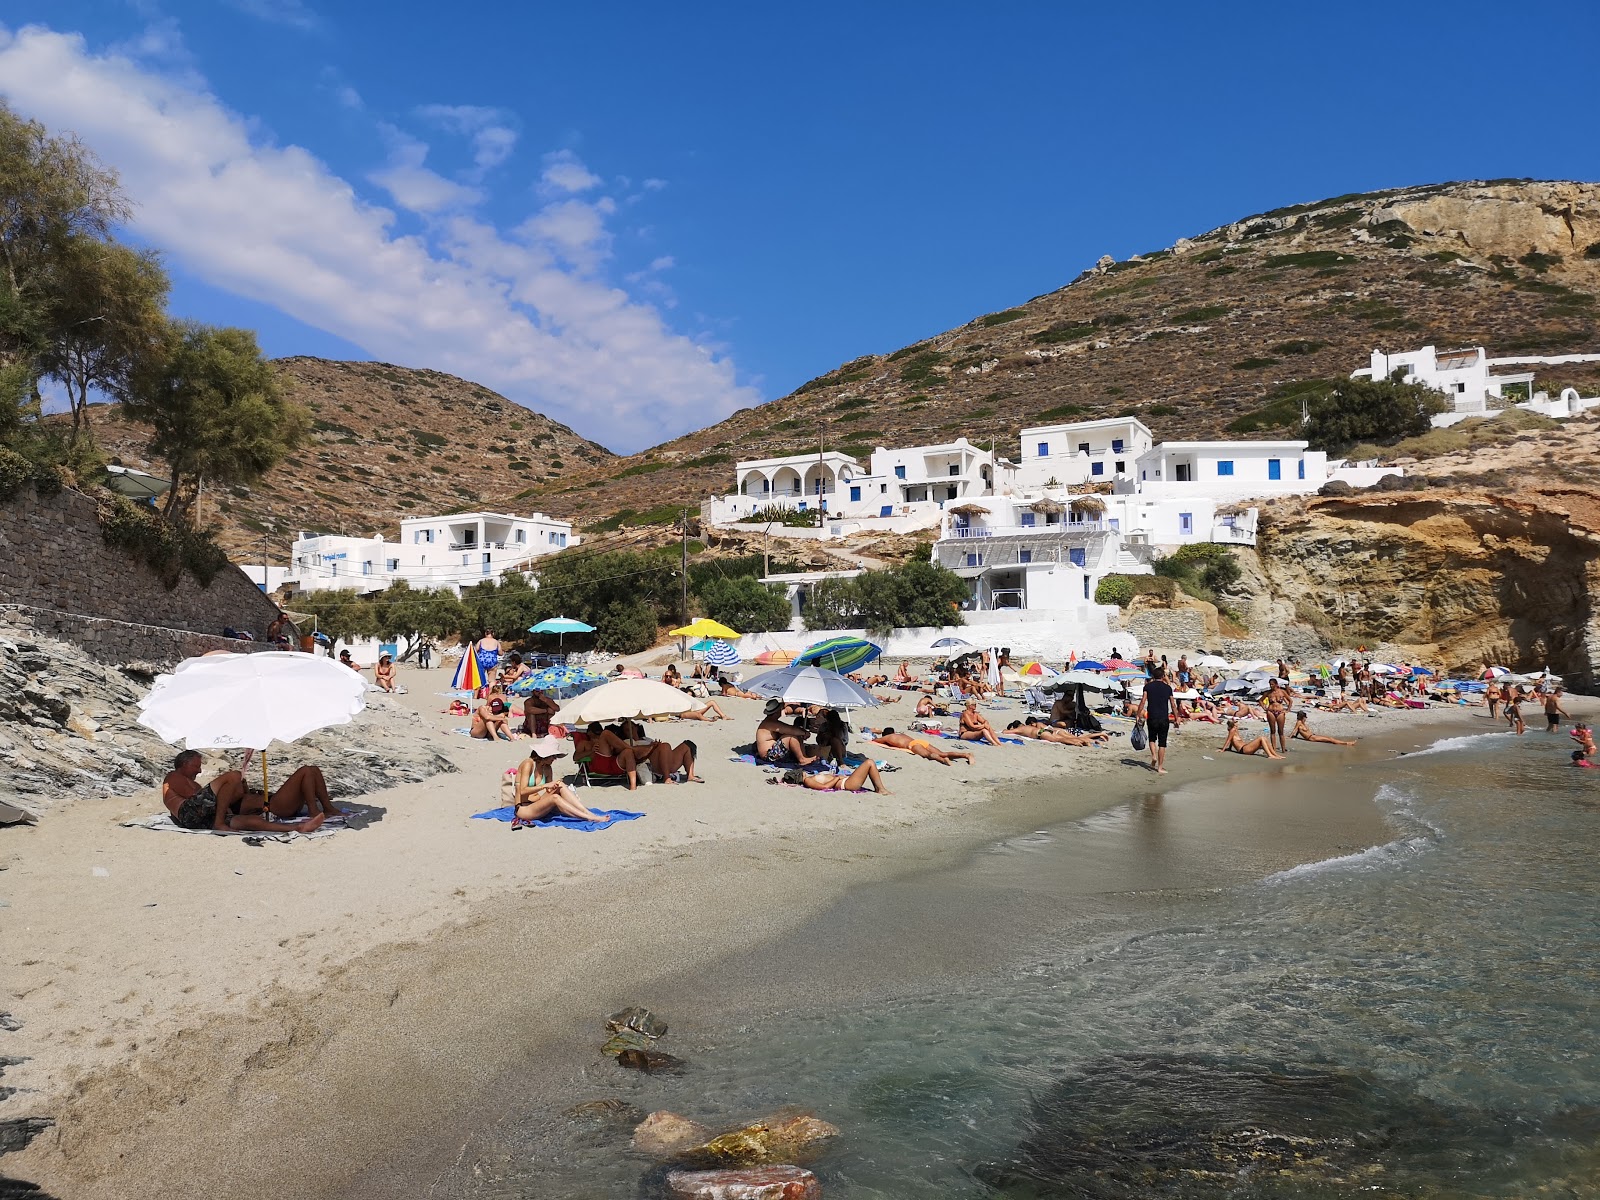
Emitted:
pixel 1209 312
pixel 1121 589
pixel 1282 408
pixel 643 468
pixel 1299 346
pixel 1002 318
pixel 1308 258
pixel 1254 364
pixel 1539 262
pixel 432 441
pixel 1061 332
pixel 919 368
pixel 1061 412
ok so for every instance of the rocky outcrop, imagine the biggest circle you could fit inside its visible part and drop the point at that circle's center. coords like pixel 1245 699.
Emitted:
pixel 1458 577
pixel 69 728
pixel 1508 219
pixel 756 1183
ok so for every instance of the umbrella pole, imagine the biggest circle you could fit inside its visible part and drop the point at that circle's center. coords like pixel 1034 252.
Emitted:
pixel 266 796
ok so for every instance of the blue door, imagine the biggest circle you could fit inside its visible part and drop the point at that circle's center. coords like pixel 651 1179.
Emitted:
pixel 1274 468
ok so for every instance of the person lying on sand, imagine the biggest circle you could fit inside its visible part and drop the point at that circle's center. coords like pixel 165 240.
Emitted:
pixel 975 726
pixel 711 712
pixel 920 748
pixel 489 721
pixel 729 688
pixel 777 740
pixel 831 781
pixel 1045 733
pixel 535 801
pixel 1353 704
pixel 1235 742
pixel 225 802
pixel 1303 731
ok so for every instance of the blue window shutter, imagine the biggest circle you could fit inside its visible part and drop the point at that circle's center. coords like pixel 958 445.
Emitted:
pixel 1225 467
pixel 1274 468
pixel 1025 556
pixel 1044 449
pixel 1097 468
pixel 855 494
pixel 1302 468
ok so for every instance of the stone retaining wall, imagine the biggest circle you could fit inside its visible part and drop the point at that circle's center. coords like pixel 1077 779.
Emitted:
pixel 1171 631
pixel 58 575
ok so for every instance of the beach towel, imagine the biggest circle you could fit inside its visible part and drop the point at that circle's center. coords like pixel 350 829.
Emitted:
pixel 558 821
pixel 163 823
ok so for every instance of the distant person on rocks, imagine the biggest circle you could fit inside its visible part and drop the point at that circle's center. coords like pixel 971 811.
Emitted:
pixel 1155 710
pixel 1302 730
pixel 226 803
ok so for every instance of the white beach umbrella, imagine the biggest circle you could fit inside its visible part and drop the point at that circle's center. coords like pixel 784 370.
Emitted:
pixel 625 699
pixel 1213 662
pixel 1382 669
pixel 796 684
pixel 238 701
pixel 1088 679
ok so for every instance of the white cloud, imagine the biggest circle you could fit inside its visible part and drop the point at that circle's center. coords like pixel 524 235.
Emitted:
pixel 564 173
pixel 654 185
pixel 525 312
pixel 665 263
pixel 493 137
pixel 293 13
pixel 413 185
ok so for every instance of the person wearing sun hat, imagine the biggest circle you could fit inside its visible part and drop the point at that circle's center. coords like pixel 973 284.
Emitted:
pixel 539 766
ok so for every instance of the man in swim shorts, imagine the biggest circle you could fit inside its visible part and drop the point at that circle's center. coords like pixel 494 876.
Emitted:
pixel 1155 709
pixel 1553 712
pixel 223 804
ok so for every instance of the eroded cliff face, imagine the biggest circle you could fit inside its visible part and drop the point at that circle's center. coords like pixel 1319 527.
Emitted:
pixel 1556 218
pixel 1458 577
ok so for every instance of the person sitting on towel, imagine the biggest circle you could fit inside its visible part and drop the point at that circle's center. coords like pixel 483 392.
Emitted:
pixel 537 709
pixel 383 673
pixel 226 803
pixel 535 800
pixel 779 741
pixel 975 726
pixel 927 708
pixel 490 719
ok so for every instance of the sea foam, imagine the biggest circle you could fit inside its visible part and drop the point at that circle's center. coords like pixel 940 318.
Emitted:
pixel 1421 836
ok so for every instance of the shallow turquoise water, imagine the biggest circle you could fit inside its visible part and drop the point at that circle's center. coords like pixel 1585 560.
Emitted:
pixel 1426 1010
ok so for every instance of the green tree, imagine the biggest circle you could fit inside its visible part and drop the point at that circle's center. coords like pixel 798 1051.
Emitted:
pixel 107 319
pixel 744 603
pixel 217 410
pixel 406 614
pixel 832 604
pixel 930 594
pixel 339 614
pixel 1382 411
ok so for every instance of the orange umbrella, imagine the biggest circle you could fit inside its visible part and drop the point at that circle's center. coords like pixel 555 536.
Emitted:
pixel 775 658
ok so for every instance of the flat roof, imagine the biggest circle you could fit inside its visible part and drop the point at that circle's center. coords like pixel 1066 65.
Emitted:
pixel 1161 446
pixel 788 459
pixel 1101 423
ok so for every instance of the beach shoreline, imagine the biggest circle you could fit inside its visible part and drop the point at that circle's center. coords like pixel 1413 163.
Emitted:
pixel 354 996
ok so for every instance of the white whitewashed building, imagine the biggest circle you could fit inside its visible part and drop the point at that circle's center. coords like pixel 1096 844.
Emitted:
pixel 1469 382
pixel 452 551
pixel 1078 452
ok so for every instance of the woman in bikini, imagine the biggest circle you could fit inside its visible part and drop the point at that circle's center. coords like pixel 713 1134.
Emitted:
pixel 383 673
pixel 536 801
pixel 856 781
pixel 1236 744
pixel 1302 730
pixel 1277 706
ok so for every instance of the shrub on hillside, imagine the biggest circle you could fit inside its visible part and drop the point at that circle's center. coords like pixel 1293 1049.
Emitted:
pixel 1121 589
pixel 1383 411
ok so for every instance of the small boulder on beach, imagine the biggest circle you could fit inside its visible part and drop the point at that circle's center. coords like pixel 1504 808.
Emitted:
pixel 665 1133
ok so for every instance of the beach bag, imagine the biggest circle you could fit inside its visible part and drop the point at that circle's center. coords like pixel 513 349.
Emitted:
pixel 1137 739
pixel 508 788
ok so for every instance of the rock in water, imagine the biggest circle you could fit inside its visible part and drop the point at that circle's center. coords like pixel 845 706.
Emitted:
pixel 649 1061
pixel 755 1183
pixel 773 1141
pixel 609 1109
pixel 664 1133
pixel 1132 1127
pixel 639 1019
pixel 625 1039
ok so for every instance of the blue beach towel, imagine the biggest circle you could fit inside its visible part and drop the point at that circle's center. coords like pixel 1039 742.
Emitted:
pixel 558 821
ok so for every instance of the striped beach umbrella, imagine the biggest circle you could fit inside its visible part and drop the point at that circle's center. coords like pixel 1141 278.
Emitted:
pixel 841 654
pixel 469 675
pixel 722 654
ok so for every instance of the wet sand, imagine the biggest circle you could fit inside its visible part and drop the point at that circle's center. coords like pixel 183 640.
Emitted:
pixel 465 968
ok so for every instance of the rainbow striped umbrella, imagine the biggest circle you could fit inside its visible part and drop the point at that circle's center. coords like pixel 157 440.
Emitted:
pixel 469 675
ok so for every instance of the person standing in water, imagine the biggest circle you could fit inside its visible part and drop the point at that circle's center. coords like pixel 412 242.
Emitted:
pixel 1155 710
pixel 1277 706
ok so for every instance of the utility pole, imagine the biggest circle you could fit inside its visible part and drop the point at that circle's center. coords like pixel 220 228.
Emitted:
pixel 821 476
pixel 683 568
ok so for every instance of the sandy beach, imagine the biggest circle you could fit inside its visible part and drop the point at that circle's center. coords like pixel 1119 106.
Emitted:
pixel 204 1017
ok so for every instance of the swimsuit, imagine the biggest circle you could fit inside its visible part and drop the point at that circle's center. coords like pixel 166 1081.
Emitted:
pixel 199 811
pixel 775 752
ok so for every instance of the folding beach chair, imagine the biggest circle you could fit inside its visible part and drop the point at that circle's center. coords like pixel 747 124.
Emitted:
pixel 594 768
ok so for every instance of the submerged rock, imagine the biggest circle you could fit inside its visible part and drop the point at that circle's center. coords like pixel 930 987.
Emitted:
pixel 608 1109
pixel 755 1183
pixel 649 1061
pixel 625 1039
pixel 663 1133
pixel 1140 1126
pixel 638 1019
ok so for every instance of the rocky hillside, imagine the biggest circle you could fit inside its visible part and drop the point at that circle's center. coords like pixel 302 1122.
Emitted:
pixel 1216 336
pixel 388 442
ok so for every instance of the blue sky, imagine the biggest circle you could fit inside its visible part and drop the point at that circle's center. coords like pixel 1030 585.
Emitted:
pixel 640 217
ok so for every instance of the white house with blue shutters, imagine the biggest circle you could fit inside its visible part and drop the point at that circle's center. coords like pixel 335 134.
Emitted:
pixel 1079 452
pixel 1228 470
